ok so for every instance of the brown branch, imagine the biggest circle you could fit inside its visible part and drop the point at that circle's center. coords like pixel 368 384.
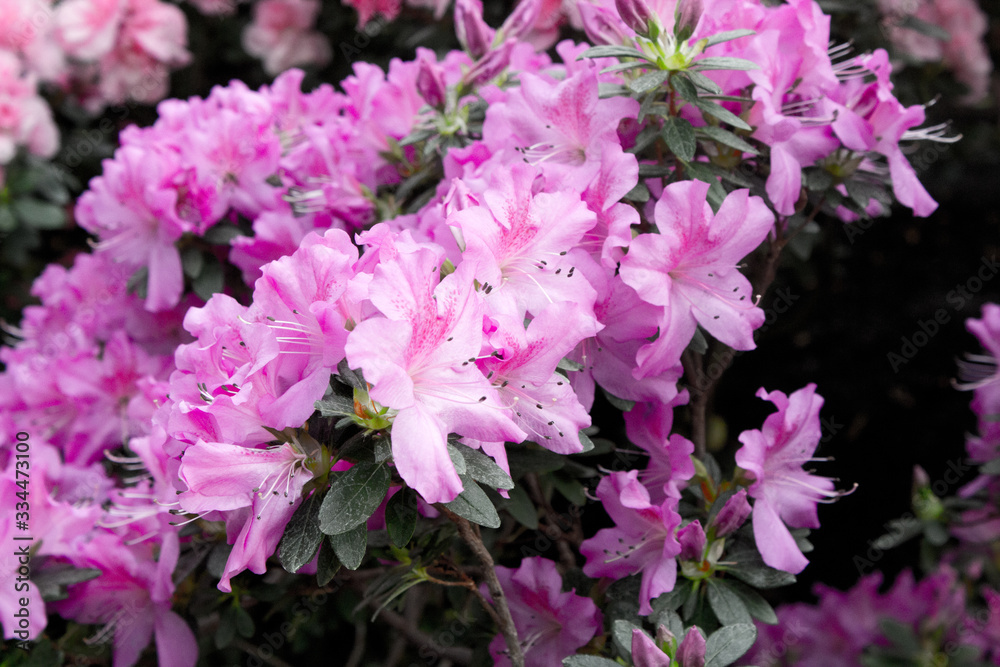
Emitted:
pixel 703 384
pixel 470 534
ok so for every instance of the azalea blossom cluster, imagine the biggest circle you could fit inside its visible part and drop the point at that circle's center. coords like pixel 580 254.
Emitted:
pixel 454 258
pixel 961 48
pixel 930 618
pixel 954 610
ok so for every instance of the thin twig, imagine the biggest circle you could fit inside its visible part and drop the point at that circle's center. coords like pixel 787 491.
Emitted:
pixel 505 621
pixel 358 651
pixel 459 654
pixel 250 649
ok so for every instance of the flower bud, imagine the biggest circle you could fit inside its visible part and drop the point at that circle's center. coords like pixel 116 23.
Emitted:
pixel 636 14
pixel 692 541
pixel 691 652
pixel 475 36
pixel 686 17
pixel 601 25
pixel 521 20
pixel 490 66
pixel 732 515
pixel 430 82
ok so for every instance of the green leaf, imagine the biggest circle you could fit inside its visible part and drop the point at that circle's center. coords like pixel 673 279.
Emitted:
pixel 622 404
pixel 588 661
pixel 302 535
pixel 221 234
pixel 52 580
pixel 351 377
pixel 39 214
pixel 520 507
pixel 364 448
pixel 457 460
pixel 755 604
pixel 524 459
pixel 612 52
pixel 724 62
pixel 327 565
pixel 818 179
pixel 727 605
pixel 750 567
pixel 586 442
pixel 244 623
pixel 211 279
pixel 680 138
pixel 900 634
pixel 648 81
pixel 991 468
pixel 569 365
pixel 703 82
pixel 353 497
pixel 401 516
pixel 911 22
pixel 727 138
pixel 621 67
pixel 720 112
pixel 7 220
pixel 350 546
pixel 640 193
pixel 621 631
pixel 335 405
pixel 728 643
pixel 482 468
pixel 473 504
pixel 226 631
pixel 570 489
pixel 192 260
pixel 675 599
pixel 727 36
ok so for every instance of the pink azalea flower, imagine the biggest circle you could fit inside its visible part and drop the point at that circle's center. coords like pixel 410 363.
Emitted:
pixel 86 29
pixel 25 118
pixel 132 600
pixel 643 540
pixel 420 359
pixel 690 271
pixel 561 127
pixel 132 209
pixel 523 371
pixel 783 491
pixel 551 624
pixel 282 35
pixel 520 244
pixel 266 483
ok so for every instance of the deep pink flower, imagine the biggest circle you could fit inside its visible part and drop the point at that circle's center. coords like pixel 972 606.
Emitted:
pixel 551 624
pixel 644 539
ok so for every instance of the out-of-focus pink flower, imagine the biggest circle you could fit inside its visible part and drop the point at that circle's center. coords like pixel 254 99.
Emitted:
pixel 25 118
pixel 964 51
pixel 282 35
